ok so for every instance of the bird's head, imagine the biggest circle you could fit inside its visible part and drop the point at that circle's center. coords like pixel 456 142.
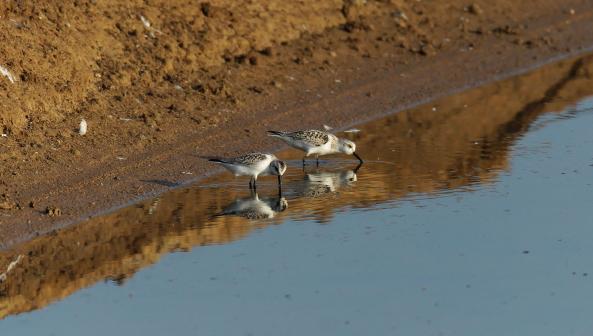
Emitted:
pixel 278 167
pixel 346 146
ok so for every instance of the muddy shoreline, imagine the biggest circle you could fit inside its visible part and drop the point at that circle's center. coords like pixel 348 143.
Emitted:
pixel 84 184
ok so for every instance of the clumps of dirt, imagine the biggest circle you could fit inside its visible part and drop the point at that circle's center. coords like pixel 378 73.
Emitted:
pixel 7 204
pixel 63 58
pixel 101 58
pixel 68 58
pixel 53 211
pixel 475 9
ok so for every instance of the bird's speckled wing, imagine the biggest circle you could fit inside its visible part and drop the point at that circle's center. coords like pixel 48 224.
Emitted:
pixel 317 190
pixel 254 214
pixel 312 137
pixel 249 213
pixel 249 159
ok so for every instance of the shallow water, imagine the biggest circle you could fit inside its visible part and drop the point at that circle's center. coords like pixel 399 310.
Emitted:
pixel 471 216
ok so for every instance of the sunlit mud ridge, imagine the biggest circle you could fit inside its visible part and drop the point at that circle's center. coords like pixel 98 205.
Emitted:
pixel 62 58
pixel 454 142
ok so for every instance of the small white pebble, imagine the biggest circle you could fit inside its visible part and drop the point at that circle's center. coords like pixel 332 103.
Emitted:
pixel 6 73
pixel 145 21
pixel 82 127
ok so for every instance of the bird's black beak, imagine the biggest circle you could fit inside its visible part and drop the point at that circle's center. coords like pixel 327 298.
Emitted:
pixel 280 184
pixel 357 168
pixel 358 157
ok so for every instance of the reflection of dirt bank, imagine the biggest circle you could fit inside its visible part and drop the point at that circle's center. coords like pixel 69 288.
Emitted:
pixel 435 150
pixel 455 140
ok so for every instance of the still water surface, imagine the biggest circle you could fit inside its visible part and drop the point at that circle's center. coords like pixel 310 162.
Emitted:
pixel 471 216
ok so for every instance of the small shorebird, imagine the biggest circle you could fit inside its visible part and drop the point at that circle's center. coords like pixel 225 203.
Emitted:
pixel 317 143
pixel 254 165
pixel 255 208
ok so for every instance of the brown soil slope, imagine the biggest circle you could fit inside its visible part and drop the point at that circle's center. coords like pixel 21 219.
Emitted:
pixel 158 81
pixel 127 58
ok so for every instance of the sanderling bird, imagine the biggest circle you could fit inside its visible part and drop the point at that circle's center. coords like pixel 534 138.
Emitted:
pixel 317 143
pixel 255 208
pixel 254 165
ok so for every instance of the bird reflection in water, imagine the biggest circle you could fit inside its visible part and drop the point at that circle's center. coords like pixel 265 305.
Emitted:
pixel 320 183
pixel 313 184
pixel 254 207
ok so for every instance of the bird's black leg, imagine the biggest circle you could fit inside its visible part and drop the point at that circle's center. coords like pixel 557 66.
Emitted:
pixel 317 159
pixel 254 184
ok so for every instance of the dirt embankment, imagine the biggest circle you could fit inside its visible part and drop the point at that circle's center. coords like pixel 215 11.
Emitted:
pixel 126 59
pixel 116 246
pixel 159 81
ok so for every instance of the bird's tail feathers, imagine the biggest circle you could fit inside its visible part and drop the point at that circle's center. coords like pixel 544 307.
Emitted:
pixel 276 133
pixel 213 159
